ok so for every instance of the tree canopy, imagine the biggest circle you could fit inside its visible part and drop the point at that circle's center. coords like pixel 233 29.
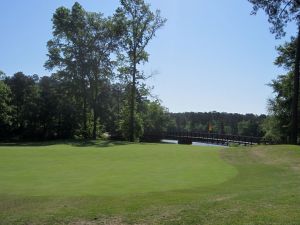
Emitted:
pixel 280 13
pixel 140 25
pixel 85 96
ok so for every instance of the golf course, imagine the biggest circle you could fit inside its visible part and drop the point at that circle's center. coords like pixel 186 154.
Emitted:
pixel 102 182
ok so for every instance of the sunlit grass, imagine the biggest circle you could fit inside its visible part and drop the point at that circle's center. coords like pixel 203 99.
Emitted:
pixel 121 183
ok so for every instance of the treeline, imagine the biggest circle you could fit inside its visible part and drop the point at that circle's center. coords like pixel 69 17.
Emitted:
pixel 97 85
pixel 49 107
pixel 216 122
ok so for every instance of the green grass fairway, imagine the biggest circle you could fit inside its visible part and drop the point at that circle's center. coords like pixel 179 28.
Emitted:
pixel 63 170
pixel 120 183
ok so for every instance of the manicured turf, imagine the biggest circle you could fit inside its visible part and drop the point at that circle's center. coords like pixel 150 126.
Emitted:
pixel 63 170
pixel 121 183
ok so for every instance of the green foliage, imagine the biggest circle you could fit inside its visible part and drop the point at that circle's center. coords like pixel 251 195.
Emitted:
pixel 286 54
pixel 49 105
pixel 227 123
pixel 124 124
pixel 49 108
pixel 279 13
pixel 248 128
pixel 83 98
pixel 5 109
pixel 24 102
pixel 81 49
pixel 155 118
pixel 279 125
pixel 68 51
pixel 280 105
pixel 2 75
pixel 140 25
pixel 272 130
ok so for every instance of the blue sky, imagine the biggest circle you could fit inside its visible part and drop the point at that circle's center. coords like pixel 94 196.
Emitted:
pixel 211 55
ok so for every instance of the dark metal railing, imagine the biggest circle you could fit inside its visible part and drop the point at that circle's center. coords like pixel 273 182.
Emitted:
pixel 189 137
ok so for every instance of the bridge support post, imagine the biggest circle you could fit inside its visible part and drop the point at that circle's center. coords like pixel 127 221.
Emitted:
pixel 184 141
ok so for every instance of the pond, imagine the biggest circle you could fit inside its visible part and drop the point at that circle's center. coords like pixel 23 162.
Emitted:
pixel 193 143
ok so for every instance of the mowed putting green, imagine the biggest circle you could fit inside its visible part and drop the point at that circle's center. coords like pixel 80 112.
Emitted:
pixel 119 183
pixel 66 170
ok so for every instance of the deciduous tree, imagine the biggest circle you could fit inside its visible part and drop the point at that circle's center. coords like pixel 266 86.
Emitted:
pixel 141 25
pixel 68 51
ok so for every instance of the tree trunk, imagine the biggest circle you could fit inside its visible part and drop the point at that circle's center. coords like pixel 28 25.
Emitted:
pixel 132 105
pixel 132 109
pixel 95 112
pixel 84 112
pixel 294 127
pixel 95 124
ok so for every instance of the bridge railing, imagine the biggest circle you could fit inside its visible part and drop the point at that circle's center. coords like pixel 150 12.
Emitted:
pixel 190 137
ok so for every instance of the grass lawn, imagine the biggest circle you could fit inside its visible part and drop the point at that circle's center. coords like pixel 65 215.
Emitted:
pixel 121 183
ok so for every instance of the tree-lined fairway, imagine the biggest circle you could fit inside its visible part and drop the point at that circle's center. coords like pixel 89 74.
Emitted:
pixel 120 183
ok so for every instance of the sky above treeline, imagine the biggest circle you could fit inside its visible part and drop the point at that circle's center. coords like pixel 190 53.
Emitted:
pixel 210 55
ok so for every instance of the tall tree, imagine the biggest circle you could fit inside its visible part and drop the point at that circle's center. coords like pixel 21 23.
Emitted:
pixel 104 35
pixel 280 106
pixel 141 25
pixel 280 13
pixel 67 50
pixel 81 47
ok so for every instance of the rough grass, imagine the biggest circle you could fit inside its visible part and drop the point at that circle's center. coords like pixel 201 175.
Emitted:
pixel 120 183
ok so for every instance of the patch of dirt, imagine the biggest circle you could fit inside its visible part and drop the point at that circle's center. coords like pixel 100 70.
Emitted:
pixel 223 198
pixel 153 216
pixel 106 221
pixel 296 167
pixel 81 222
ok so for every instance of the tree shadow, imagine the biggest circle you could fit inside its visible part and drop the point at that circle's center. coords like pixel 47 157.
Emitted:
pixel 76 143
pixel 97 143
pixel 28 144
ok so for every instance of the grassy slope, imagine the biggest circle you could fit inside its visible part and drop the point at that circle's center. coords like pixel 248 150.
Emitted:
pixel 149 184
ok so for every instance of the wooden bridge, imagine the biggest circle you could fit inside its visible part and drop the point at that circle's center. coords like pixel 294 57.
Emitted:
pixel 211 138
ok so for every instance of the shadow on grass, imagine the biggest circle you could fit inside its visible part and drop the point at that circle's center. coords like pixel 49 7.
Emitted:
pixel 29 144
pixel 96 143
pixel 76 143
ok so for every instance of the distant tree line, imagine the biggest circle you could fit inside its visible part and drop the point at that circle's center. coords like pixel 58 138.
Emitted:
pixel 48 107
pixel 216 122
pixel 51 107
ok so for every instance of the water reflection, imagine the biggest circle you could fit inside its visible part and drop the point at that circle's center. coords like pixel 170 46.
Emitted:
pixel 193 143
